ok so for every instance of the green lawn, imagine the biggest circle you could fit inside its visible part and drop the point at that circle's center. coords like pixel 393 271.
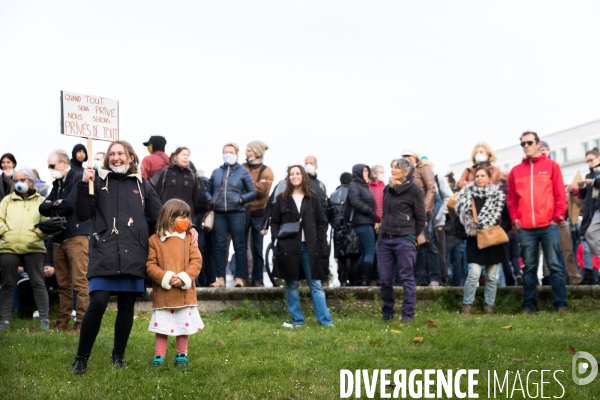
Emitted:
pixel 246 354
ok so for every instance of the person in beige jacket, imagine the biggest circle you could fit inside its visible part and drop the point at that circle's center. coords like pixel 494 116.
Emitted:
pixel 263 177
pixel 19 213
pixel 424 178
pixel 173 265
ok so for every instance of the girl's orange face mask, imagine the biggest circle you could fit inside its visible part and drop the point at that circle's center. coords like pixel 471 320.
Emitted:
pixel 181 226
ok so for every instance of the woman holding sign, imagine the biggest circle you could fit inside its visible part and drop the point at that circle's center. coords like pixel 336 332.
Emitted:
pixel 118 209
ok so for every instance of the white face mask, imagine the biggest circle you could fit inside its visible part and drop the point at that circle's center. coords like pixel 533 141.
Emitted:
pixel 55 174
pixel 310 169
pixel 229 158
pixel 120 170
pixel 21 187
pixel 97 164
pixel 479 157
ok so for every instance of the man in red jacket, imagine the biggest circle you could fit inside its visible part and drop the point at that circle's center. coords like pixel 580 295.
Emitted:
pixel 537 205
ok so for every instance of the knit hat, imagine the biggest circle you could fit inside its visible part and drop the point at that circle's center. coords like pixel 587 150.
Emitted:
pixel 258 147
pixel 544 144
pixel 410 152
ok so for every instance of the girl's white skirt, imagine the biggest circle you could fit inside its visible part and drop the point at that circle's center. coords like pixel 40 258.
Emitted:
pixel 176 321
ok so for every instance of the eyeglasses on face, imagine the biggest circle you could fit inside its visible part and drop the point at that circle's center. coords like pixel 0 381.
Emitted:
pixel 528 143
pixel 590 160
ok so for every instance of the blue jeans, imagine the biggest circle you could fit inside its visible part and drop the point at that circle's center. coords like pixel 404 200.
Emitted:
pixel 258 260
pixel 491 283
pixel 549 238
pixel 456 259
pixel 316 292
pixel 366 238
pixel 235 223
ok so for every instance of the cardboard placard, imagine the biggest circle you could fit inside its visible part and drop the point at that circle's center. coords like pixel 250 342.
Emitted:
pixel 90 117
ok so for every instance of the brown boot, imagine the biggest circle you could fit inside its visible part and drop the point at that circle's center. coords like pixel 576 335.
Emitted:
pixel 466 309
pixel 489 310
pixel 61 326
pixel 76 329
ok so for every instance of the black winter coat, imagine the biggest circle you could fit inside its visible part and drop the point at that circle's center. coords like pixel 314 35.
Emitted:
pixel 118 210
pixel 403 210
pixel 590 205
pixel 321 190
pixel 287 254
pixel 174 182
pixel 361 199
pixel 238 185
pixel 345 240
pixel 65 190
pixel 6 185
pixel 489 255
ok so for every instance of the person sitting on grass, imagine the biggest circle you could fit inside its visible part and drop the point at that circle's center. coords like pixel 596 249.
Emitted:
pixel 173 265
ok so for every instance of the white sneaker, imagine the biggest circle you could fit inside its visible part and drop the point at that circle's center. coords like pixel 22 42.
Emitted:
pixel 287 325
pixel 74 315
pixel 36 314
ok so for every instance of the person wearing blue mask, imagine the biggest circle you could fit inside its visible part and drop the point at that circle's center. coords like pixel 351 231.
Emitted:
pixel 99 159
pixel 229 189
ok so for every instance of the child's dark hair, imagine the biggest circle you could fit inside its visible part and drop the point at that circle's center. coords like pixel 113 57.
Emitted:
pixel 171 210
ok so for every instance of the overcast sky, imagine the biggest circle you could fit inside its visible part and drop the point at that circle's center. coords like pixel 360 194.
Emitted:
pixel 347 81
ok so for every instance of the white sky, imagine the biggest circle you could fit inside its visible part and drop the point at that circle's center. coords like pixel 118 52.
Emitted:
pixel 348 81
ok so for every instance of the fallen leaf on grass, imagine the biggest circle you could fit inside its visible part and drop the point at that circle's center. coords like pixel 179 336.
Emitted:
pixel 352 347
pixel 234 318
pixel 418 339
pixel 518 360
pixel 395 331
pixel 222 343
pixel 479 312
pixel 571 350
pixel 559 320
pixel 142 317
pixel 431 324
pixel 509 327
pixel 31 328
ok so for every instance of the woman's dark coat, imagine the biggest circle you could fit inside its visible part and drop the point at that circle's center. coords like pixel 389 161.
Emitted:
pixel 174 182
pixel 590 205
pixel 403 210
pixel 489 255
pixel 287 256
pixel 117 202
pixel 361 199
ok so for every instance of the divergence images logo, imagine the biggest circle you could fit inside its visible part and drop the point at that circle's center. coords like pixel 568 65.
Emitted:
pixel 584 363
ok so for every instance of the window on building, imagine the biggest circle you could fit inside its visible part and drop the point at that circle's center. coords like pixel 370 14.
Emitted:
pixel 598 143
pixel 565 155
pixel 586 147
pixel 553 155
pixel 506 167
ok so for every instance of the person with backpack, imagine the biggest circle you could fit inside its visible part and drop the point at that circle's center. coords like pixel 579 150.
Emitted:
pixel 157 159
pixel 263 177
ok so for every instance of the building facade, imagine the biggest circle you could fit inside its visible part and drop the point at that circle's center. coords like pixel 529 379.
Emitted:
pixel 568 148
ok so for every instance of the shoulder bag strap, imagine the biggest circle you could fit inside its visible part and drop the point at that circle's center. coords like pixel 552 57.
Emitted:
pixel 220 191
pixel 262 168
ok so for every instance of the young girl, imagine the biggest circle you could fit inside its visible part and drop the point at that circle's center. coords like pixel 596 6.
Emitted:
pixel 173 264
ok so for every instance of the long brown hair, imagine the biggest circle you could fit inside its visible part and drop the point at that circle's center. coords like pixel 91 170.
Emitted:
pixel 305 185
pixel 133 165
pixel 171 210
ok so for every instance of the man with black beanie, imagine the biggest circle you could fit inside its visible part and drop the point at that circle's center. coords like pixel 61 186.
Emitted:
pixel 157 159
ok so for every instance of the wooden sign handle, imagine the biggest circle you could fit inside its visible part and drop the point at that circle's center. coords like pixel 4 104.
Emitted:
pixel 90 163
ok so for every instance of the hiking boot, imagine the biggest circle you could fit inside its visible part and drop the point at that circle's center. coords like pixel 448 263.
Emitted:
pixel 4 325
pixel 519 280
pixel 324 284
pixel 527 311
pixel 80 365
pixel 61 326
pixel 219 283
pixel 248 284
pixel 157 362
pixel 45 324
pixel 489 310
pixel 181 360
pixel 562 310
pixel 259 284
pixel 466 309
pixel 76 329
pixel 118 361
pixel 239 282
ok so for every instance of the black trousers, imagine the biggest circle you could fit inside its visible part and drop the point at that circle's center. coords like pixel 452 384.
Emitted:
pixel 90 325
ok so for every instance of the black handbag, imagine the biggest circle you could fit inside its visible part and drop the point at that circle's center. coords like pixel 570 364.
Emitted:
pixel 53 225
pixel 289 229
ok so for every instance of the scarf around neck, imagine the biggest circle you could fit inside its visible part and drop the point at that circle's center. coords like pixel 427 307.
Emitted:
pixel 490 213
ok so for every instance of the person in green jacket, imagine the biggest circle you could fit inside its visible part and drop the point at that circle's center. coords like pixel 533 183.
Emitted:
pixel 19 238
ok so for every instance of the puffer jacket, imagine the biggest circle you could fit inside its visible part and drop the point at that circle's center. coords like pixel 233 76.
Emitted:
pixel 536 193
pixel 65 190
pixel 227 185
pixel 360 198
pixel 345 240
pixel 18 218
pixel 118 210
pixel 403 210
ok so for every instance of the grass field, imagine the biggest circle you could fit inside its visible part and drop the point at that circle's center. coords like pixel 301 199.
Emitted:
pixel 246 354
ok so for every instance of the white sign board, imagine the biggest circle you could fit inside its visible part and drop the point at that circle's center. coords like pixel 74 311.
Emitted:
pixel 91 117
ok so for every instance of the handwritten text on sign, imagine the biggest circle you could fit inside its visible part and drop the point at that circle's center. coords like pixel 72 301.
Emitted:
pixel 90 116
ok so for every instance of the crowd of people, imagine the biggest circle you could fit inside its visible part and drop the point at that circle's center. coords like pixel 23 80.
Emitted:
pixel 488 228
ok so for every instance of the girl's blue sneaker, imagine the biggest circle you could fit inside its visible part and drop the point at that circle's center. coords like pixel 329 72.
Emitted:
pixel 181 360
pixel 157 362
